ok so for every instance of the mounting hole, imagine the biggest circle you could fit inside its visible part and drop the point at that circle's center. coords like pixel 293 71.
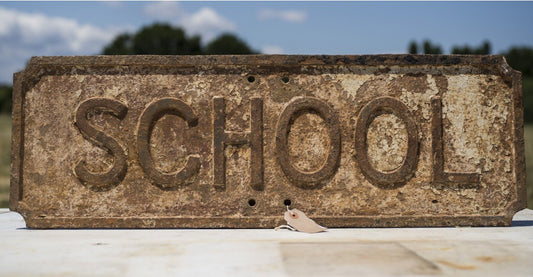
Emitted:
pixel 287 202
pixel 434 201
pixel 251 202
pixel 251 79
pixel 285 79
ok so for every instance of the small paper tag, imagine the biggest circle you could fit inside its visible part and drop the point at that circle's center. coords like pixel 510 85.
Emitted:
pixel 297 220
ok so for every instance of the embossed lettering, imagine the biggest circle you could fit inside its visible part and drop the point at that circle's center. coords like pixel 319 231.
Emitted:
pixel 399 176
pixel 295 108
pixel 439 176
pixel 253 138
pixel 147 120
pixel 113 177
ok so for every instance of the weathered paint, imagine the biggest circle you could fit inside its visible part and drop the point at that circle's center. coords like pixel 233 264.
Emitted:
pixel 192 140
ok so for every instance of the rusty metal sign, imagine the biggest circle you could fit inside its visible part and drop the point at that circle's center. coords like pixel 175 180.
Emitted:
pixel 229 141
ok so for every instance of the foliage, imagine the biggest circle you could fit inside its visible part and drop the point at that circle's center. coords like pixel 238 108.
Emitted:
pixel 5 158
pixel 413 48
pixel 484 49
pixel 527 92
pixel 163 39
pixel 6 93
pixel 426 46
pixel 121 45
pixel 521 59
pixel 156 39
pixel 528 138
pixel 228 44
pixel 430 48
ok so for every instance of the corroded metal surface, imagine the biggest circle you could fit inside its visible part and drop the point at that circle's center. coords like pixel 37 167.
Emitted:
pixel 227 141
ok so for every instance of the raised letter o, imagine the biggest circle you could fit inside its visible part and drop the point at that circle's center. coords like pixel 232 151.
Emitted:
pixel 398 177
pixel 297 106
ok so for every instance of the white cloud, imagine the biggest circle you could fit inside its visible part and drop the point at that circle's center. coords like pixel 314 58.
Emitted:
pixel 287 15
pixel 205 22
pixel 164 10
pixel 272 49
pixel 24 35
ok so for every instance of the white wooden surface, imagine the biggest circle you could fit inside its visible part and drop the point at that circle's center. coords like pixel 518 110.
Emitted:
pixel 505 251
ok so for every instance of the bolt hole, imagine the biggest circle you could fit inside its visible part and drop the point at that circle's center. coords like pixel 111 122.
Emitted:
pixel 285 79
pixel 251 202
pixel 287 202
pixel 434 201
pixel 251 79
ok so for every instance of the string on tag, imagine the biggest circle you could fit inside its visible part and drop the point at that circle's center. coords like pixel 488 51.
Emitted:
pixel 288 227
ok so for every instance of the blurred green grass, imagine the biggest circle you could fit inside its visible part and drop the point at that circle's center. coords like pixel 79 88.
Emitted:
pixel 5 150
pixel 5 158
pixel 528 137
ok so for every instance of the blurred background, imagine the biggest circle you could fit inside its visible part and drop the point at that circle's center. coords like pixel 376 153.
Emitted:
pixel 188 28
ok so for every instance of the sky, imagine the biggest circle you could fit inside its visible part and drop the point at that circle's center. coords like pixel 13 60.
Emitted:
pixel 336 28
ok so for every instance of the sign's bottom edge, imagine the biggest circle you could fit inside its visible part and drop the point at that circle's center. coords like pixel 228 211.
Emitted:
pixel 265 222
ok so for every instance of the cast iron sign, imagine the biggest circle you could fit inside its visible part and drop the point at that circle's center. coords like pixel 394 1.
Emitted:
pixel 229 141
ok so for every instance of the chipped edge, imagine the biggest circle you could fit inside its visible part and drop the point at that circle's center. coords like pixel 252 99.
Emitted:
pixel 514 77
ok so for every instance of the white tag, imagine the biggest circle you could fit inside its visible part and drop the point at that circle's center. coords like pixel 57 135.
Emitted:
pixel 297 220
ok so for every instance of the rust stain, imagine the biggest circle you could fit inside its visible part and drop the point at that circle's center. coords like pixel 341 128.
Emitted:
pixel 486 259
pixel 497 259
pixel 457 266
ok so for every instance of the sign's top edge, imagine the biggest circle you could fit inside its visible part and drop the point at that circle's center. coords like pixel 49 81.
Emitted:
pixel 270 60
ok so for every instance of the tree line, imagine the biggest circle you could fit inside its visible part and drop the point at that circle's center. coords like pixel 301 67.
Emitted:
pixel 519 58
pixel 164 39
pixel 427 47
